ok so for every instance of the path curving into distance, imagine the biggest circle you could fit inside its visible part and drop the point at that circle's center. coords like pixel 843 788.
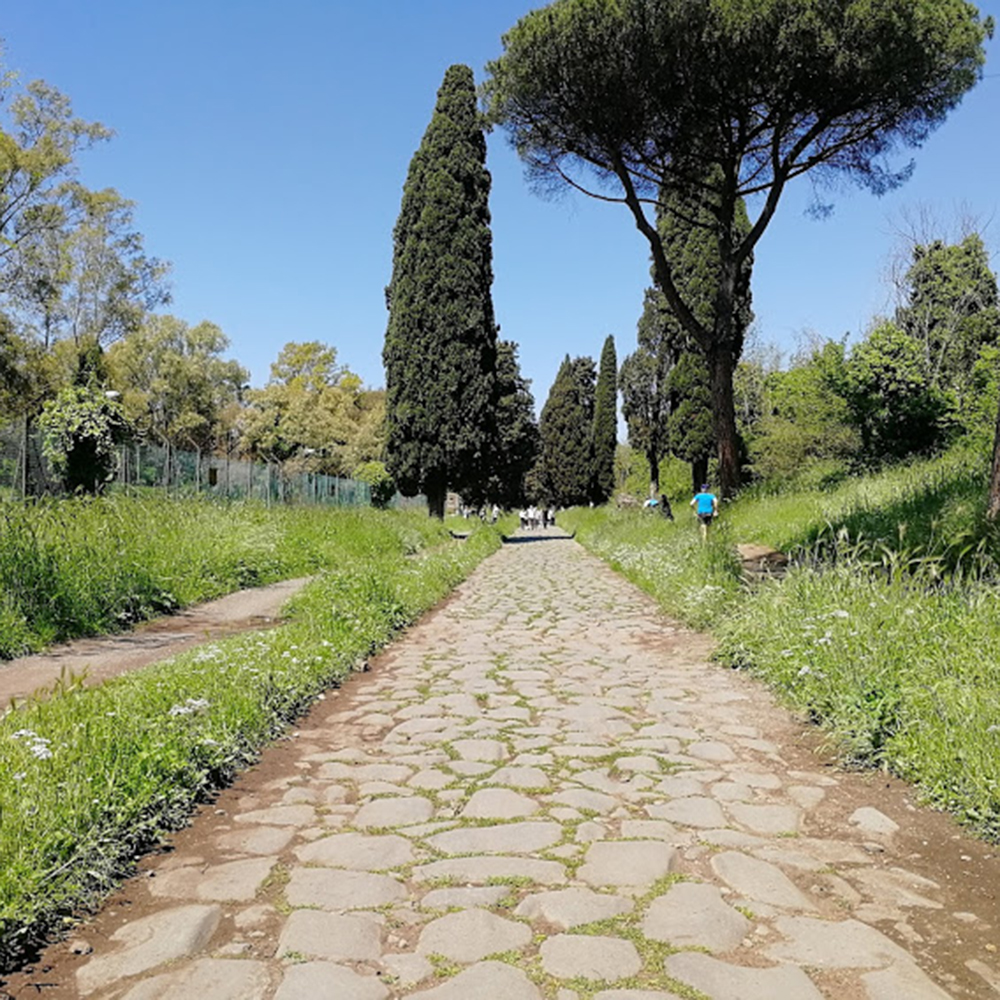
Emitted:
pixel 546 789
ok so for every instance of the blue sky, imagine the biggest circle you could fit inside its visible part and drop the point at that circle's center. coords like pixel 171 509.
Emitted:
pixel 266 145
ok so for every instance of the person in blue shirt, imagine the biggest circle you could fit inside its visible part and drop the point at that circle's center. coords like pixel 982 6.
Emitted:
pixel 706 506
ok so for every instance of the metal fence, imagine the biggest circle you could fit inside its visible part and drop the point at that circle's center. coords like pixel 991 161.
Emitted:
pixel 24 471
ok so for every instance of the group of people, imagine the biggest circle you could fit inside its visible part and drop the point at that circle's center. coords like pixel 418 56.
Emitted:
pixel 534 517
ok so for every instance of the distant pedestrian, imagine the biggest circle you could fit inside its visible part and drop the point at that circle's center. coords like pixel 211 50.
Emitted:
pixel 706 506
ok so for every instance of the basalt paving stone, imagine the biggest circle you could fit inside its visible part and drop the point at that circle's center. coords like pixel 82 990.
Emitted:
pixel 486 869
pixel 722 981
pixel 589 956
pixel 149 942
pixel 506 838
pixel 470 935
pixel 464 898
pixel 829 944
pixel 335 937
pixel 326 981
pixel 499 803
pixel 484 981
pixel 208 979
pixel 760 881
pixel 696 810
pixel 694 915
pixel 235 881
pixel 628 863
pixel 357 851
pixel 568 908
pixel 334 889
pixel 766 819
pixel 394 812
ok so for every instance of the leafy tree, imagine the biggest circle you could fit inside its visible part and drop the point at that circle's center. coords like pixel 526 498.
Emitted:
pixel 720 101
pixel 951 309
pixel 81 429
pixel 88 278
pixel 39 141
pixel 565 474
pixel 890 398
pixel 605 434
pixel 440 344
pixel 381 484
pixel 312 412
pixel 806 420
pixel 517 430
pixel 175 384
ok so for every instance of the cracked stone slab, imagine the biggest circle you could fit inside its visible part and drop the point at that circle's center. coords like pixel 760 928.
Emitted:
pixel 148 942
pixel 694 915
pixel 326 981
pixel 332 936
pixel 903 979
pixel 259 840
pixel 568 908
pixel 766 819
pixel 589 957
pixel 208 979
pixel 484 981
pixel 470 935
pixel 722 981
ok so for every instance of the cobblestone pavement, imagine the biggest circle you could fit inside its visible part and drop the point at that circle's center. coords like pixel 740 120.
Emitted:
pixel 545 789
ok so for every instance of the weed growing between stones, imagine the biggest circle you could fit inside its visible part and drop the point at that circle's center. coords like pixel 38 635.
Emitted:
pixel 94 775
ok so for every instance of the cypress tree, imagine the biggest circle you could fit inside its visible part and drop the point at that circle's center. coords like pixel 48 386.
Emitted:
pixel 566 429
pixel 440 343
pixel 517 430
pixel 605 423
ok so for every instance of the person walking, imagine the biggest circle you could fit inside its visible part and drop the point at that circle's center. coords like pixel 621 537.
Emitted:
pixel 706 506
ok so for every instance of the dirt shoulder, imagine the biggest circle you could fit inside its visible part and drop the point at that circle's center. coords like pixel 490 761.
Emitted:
pixel 100 658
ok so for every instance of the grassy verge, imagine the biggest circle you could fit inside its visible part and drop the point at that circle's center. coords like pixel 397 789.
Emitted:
pixel 91 566
pixel 91 776
pixel 885 630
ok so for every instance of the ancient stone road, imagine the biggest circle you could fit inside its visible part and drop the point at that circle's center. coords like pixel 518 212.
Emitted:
pixel 545 789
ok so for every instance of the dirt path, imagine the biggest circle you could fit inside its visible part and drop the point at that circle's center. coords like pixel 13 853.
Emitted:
pixel 547 790
pixel 103 657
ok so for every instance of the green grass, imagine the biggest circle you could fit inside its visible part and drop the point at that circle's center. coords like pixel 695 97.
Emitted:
pixel 885 629
pixel 92 776
pixel 91 566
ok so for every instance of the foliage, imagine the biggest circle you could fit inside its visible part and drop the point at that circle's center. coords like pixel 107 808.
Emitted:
pixel 313 413
pixel 175 384
pixel 81 429
pixel 951 309
pixel 719 101
pixel 517 431
pixel 890 398
pixel 805 420
pixel 605 434
pixel 382 485
pixel 565 465
pixel 440 344
pixel 95 775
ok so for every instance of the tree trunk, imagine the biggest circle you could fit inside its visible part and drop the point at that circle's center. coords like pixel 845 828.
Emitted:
pixel 654 472
pixel 436 494
pixel 721 366
pixel 993 505
pixel 699 473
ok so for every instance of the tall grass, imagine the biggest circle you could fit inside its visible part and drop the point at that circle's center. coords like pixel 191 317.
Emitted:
pixel 885 629
pixel 91 776
pixel 90 566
